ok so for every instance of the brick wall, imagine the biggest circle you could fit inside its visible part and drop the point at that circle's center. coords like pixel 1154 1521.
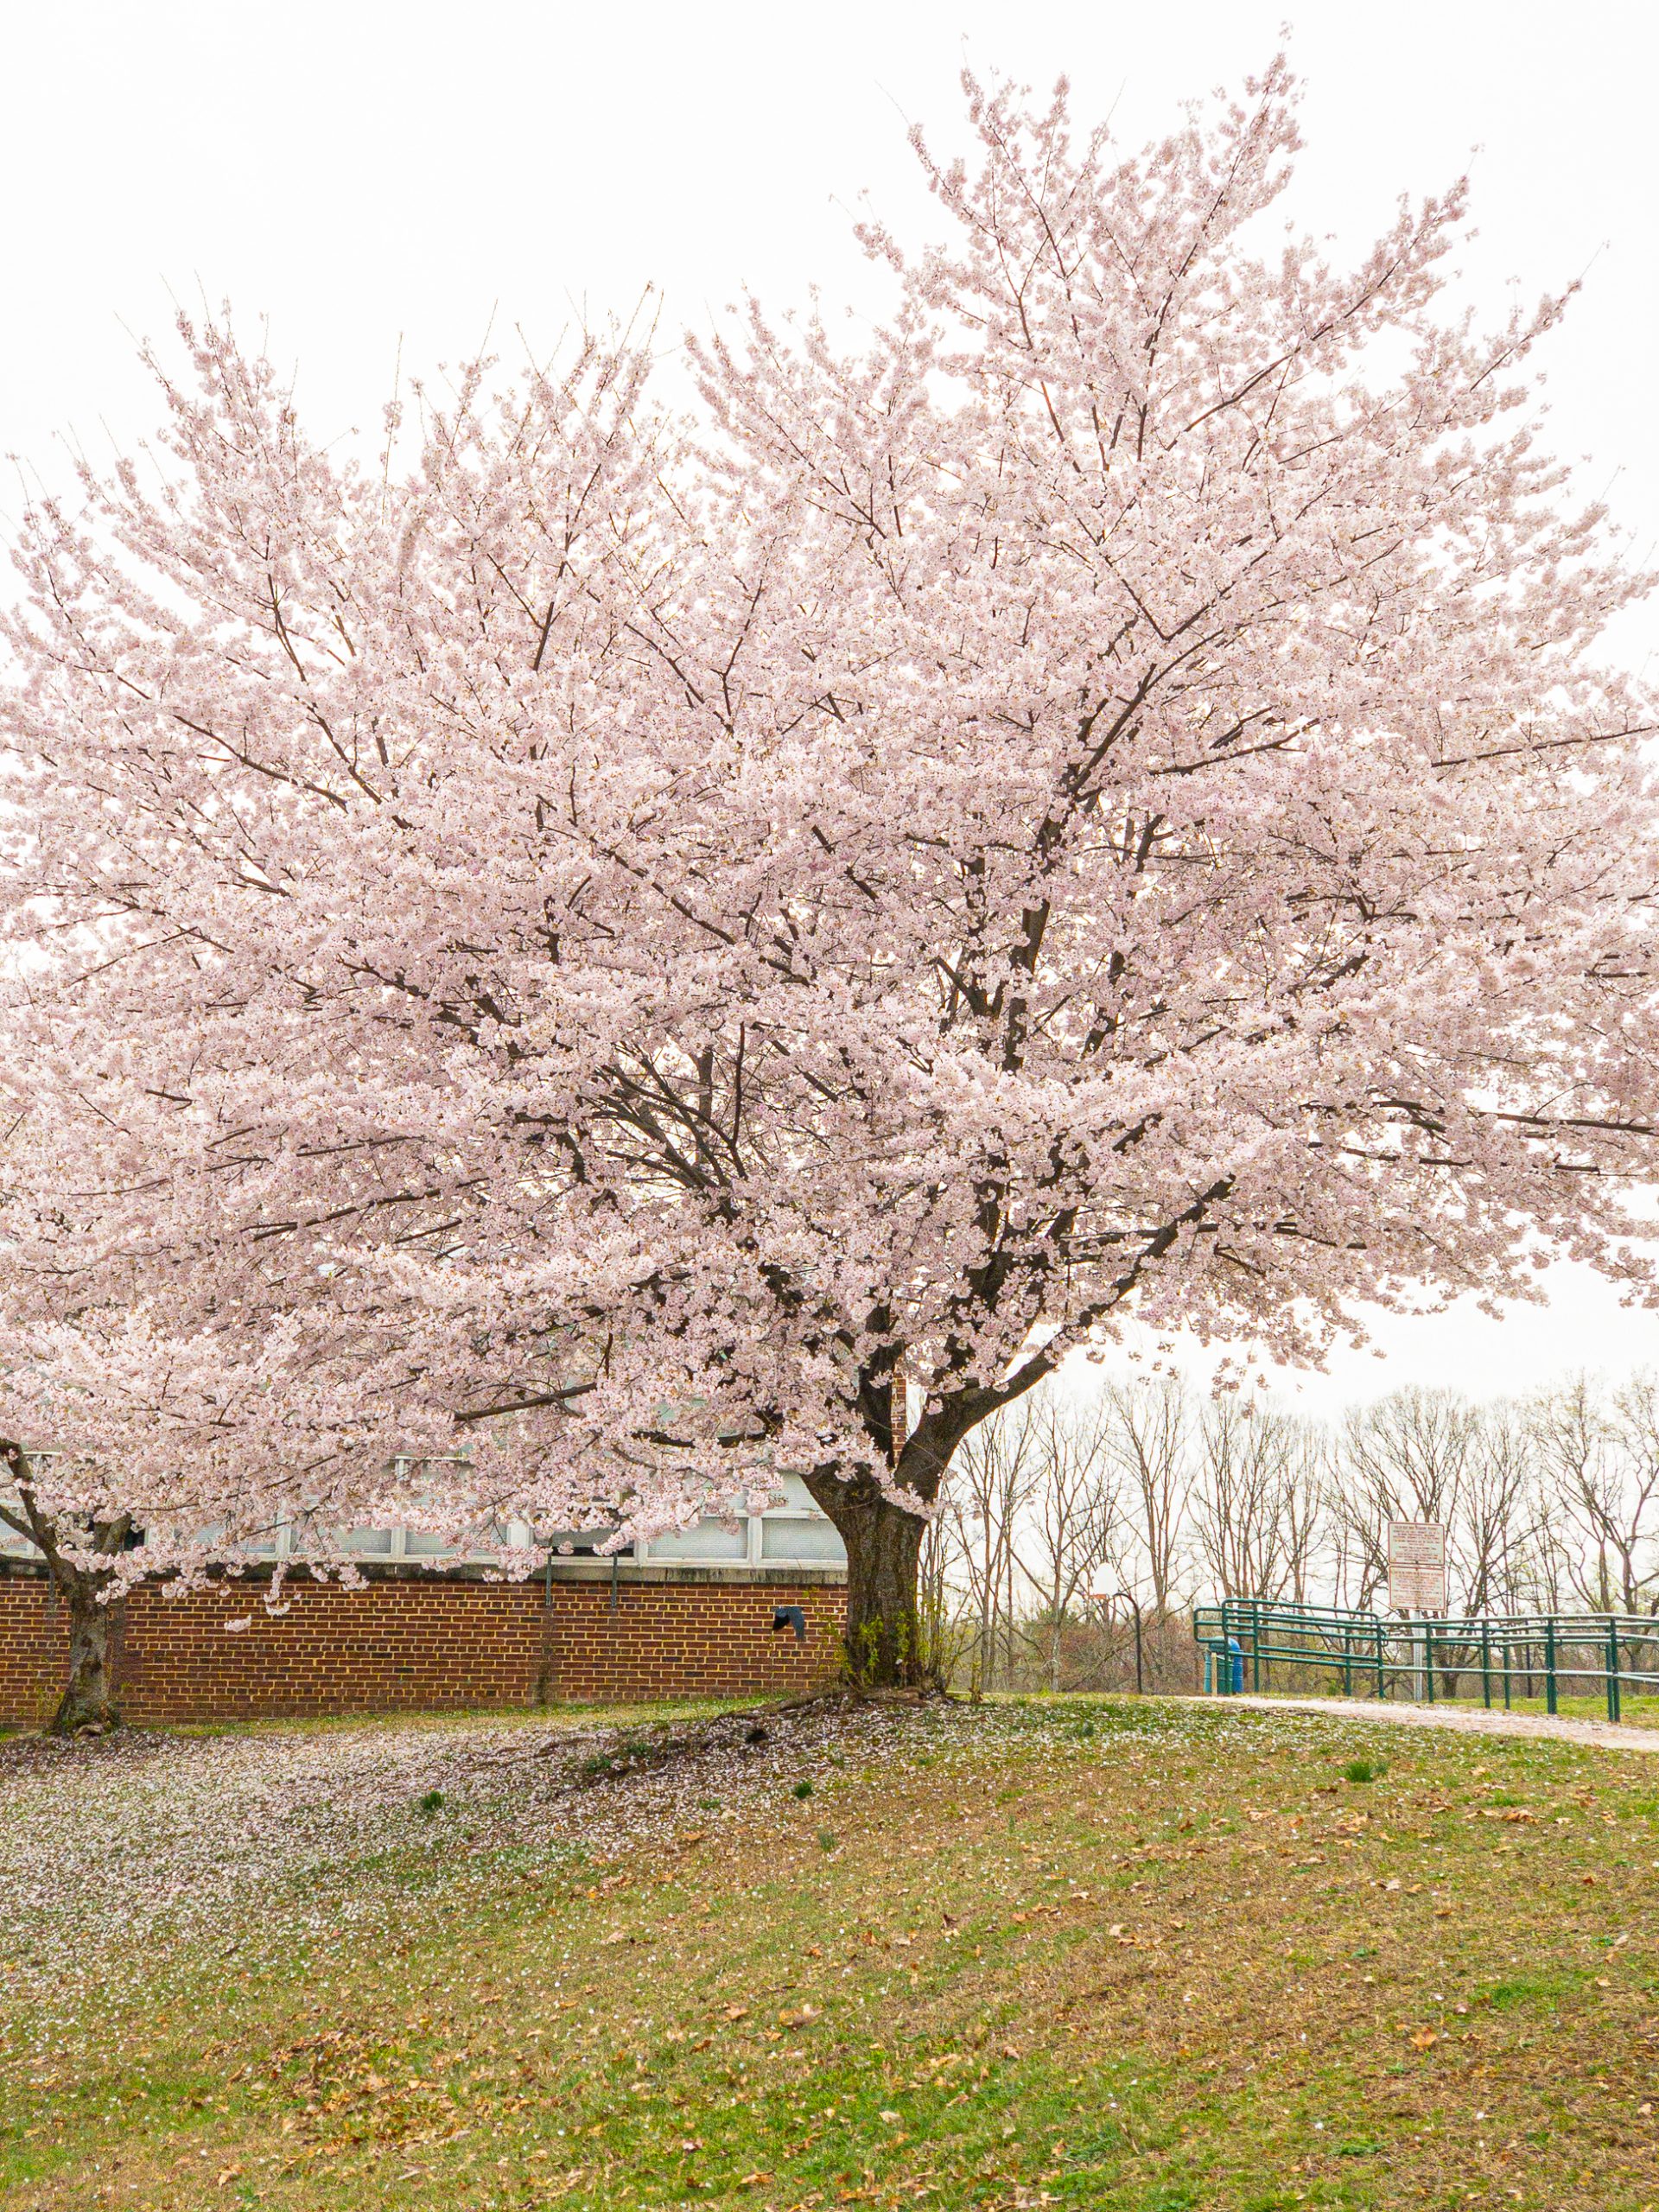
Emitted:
pixel 33 1650
pixel 419 1641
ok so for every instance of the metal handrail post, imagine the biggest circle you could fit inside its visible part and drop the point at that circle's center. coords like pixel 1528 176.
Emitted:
pixel 1492 1645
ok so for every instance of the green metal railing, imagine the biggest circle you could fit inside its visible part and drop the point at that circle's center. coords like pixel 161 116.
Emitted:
pixel 1243 1640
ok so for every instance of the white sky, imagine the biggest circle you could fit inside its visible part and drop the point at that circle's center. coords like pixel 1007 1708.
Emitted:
pixel 368 177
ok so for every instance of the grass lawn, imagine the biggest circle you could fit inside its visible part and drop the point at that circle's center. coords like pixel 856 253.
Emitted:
pixel 1634 1711
pixel 1077 1952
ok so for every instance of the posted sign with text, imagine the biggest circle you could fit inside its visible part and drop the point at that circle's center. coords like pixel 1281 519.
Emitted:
pixel 1416 1566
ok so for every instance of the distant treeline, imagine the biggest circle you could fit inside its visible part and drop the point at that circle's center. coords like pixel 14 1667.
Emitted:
pixel 1550 1502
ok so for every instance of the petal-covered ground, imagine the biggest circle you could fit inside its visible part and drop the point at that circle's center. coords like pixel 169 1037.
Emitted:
pixel 1153 1956
pixel 116 1853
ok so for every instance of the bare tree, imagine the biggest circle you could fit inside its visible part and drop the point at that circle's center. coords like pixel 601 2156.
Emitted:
pixel 1146 1429
pixel 1257 1499
pixel 1636 1542
pixel 1501 1522
pixel 1601 1461
pixel 1404 1457
pixel 1071 1517
pixel 992 1478
pixel 1548 1504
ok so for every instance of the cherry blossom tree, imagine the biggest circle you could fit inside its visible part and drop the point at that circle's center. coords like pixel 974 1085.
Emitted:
pixel 170 1456
pixel 613 937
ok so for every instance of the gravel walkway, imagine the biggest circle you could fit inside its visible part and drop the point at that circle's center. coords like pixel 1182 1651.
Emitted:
pixel 1473 1720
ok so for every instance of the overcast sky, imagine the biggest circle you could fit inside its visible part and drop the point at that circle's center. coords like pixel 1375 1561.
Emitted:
pixel 365 179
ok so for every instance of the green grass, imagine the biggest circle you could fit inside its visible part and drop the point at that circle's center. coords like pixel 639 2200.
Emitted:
pixel 452 1719
pixel 1364 1770
pixel 1633 1712
pixel 1080 1954
pixel 1289 1681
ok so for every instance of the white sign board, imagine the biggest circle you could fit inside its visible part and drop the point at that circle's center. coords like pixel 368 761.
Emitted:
pixel 1416 1566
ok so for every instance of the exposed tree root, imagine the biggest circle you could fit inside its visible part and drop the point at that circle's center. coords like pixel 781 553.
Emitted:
pixel 653 1746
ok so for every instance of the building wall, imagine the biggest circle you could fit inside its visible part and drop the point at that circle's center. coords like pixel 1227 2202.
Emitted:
pixel 408 1641
pixel 33 1650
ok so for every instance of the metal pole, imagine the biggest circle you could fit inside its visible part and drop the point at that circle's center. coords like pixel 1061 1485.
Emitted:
pixel 1613 1670
pixel 1428 1660
pixel 1381 1687
pixel 1255 1647
pixel 1486 1663
pixel 1549 1662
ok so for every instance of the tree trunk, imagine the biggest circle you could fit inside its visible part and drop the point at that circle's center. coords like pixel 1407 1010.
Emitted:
pixel 88 1699
pixel 884 1550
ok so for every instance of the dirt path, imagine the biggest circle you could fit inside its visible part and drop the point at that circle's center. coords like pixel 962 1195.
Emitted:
pixel 1472 1720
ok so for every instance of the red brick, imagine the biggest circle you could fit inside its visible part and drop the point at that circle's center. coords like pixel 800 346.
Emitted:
pixel 407 1643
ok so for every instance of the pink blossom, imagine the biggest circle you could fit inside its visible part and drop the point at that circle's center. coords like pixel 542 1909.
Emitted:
pixel 588 942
